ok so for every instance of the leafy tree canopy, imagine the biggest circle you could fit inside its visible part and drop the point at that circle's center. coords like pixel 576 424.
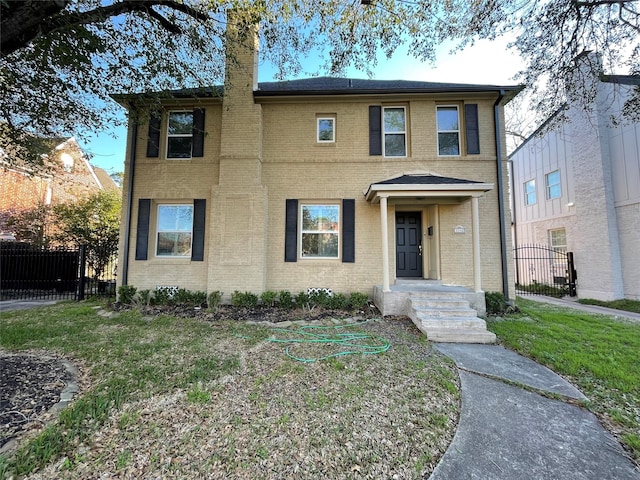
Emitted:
pixel 60 59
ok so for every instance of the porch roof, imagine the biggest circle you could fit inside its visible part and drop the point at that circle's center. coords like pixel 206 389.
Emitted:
pixel 423 186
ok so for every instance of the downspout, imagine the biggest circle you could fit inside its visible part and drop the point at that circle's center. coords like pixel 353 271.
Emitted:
pixel 503 236
pixel 129 209
pixel 514 221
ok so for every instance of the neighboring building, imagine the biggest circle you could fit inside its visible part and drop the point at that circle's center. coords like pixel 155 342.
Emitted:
pixel 64 176
pixel 576 187
pixel 325 182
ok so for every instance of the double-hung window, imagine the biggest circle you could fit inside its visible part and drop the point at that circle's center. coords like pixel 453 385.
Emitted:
pixel 175 230
pixel 448 124
pixel 530 192
pixel 558 239
pixel 552 180
pixel 180 134
pixel 394 126
pixel 320 232
pixel 326 130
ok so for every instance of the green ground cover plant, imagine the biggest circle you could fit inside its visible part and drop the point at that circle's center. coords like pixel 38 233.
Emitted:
pixel 596 353
pixel 166 396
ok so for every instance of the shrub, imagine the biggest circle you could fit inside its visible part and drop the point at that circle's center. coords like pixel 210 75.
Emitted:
pixel 268 298
pixel 496 303
pixel 189 298
pixel 214 299
pixel 162 296
pixel 143 298
pixel 319 298
pixel 338 301
pixel 358 301
pixel 302 300
pixel 244 299
pixel 285 300
pixel 126 294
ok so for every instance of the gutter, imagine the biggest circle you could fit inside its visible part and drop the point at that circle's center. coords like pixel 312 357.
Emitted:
pixel 129 208
pixel 501 209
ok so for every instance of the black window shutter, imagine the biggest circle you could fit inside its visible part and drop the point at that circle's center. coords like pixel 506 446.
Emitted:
pixel 142 231
pixel 153 141
pixel 348 230
pixel 472 129
pixel 199 215
pixel 198 133
pixel 291 231
pixel 375 130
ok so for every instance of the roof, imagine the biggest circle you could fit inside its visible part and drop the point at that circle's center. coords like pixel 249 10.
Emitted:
pixel 350 86
pixel 621 79
pixel 424 180
pixel 105 180
pixel 423 186
pixel 318 86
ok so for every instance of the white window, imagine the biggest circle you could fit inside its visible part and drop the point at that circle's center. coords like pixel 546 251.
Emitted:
pixel 180 134
pixel 394 132
pixel 320 232
pixel 530 192
pixel 448 124
pixel 67 162
pixel 558 239
pixel 326 130
pixel 552 181
pixel 174 232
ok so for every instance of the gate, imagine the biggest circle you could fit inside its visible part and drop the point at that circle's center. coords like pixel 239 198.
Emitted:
pixel 28 272
pixel 542 270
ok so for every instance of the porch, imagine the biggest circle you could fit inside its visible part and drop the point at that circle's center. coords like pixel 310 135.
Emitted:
pixel 444 313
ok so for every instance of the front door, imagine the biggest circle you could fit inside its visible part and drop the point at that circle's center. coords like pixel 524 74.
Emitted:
pixel 408 244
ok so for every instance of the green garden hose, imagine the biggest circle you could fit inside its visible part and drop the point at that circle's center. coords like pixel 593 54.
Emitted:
pixel 351 342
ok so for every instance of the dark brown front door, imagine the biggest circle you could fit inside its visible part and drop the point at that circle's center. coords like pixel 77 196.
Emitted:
pixel 408 244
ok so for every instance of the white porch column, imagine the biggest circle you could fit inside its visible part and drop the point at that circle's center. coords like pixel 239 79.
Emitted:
pixel 385 244
pixel 475 232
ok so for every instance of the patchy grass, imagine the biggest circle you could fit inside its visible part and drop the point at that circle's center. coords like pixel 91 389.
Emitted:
pixel 187 398
pixel 596 353
pixel 623 304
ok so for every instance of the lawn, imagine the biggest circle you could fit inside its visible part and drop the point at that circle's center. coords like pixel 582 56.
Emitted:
pixel 166 397
pixel 599 355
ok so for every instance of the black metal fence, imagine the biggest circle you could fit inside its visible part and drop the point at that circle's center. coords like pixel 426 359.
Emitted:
pixel 28 272
pixel 542 270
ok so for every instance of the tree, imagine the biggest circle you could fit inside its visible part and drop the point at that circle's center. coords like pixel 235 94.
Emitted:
pixel 95 222
pixel 61 59
pixel 33 226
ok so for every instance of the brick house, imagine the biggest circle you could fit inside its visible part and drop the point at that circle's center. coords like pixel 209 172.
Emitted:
pixel 576 187
pixel 63 176
pixel 382 187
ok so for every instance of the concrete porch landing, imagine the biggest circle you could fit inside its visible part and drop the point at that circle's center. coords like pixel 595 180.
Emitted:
pixel 444 313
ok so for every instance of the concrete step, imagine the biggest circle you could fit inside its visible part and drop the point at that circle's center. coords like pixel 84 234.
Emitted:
pixel 447 312
pixel 459 335
pixel 447 317
pixel 424 302
pixel 458 322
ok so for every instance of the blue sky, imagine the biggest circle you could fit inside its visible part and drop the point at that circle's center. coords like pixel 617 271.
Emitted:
pixel 487 62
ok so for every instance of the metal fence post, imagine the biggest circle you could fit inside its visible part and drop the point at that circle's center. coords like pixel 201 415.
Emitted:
pixel 571 267
pixel 82 260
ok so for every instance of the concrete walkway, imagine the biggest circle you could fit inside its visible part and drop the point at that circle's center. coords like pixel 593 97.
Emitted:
pixel 10 305
pixel 509 431
pixel 572 302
